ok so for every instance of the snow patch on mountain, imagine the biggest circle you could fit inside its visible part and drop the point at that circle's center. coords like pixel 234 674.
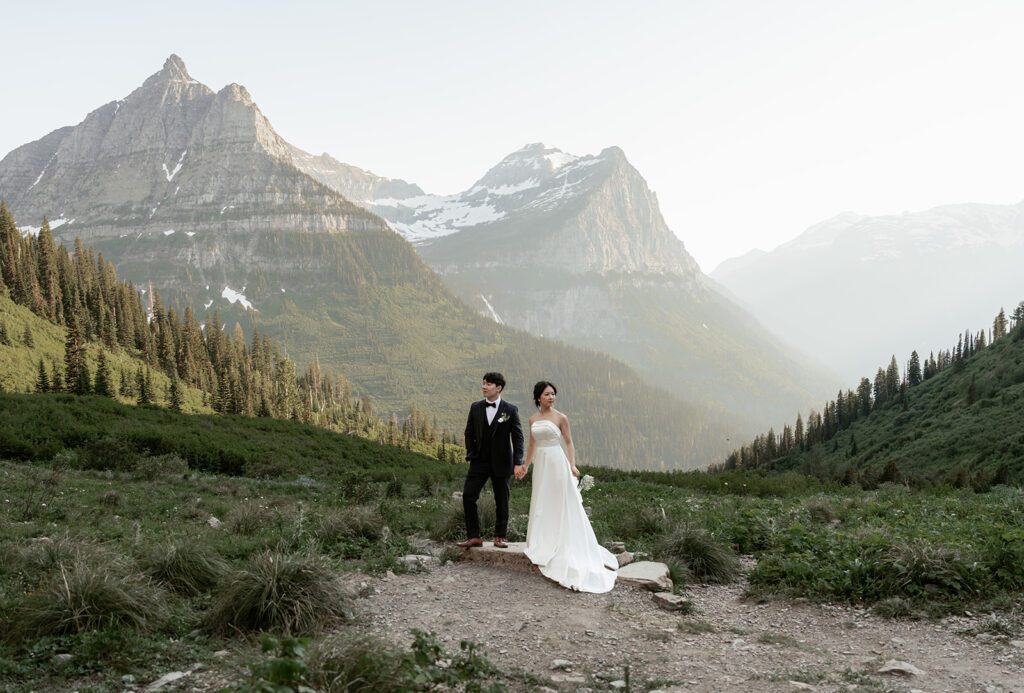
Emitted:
pixel 171 174
pixel 233 296
pixel 490 309
pixel 533 178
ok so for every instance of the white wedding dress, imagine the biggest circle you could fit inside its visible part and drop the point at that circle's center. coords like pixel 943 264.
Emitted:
pixel 559 537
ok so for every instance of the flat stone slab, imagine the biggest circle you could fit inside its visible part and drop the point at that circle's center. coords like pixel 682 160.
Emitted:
pixel 512 557
pixel 646 574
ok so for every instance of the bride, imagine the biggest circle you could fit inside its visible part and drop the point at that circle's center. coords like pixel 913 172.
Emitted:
pixel 559 537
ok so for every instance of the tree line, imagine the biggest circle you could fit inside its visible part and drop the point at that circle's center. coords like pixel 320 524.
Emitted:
pixel 80 291
pixel 889 388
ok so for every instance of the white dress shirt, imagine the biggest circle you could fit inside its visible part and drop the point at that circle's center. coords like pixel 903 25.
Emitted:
pixel 492 411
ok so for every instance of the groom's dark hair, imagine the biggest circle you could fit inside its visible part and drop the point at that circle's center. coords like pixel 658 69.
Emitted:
pixel 495 378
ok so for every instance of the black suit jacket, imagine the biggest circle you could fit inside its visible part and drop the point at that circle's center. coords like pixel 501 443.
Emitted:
pixel 497 448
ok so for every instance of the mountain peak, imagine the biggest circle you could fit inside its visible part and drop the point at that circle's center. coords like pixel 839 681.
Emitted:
pixel 174 70
pixel 236 92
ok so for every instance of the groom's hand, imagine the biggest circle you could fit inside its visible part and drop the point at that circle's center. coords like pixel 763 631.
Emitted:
pixel 520 472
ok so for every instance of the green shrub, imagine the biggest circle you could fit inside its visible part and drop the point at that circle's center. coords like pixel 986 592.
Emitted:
pixel 290 593
pixel 184 566
pixel 89 595
pixel 394 489
pixel 108 453
pixel 153 467
pixel 895 607
pixel 821 511
pixel 647 522
pixel 919 569
pixel 705 557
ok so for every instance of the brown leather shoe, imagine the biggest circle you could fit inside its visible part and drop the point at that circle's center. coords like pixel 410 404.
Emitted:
pixel 500 543
pixel 470 543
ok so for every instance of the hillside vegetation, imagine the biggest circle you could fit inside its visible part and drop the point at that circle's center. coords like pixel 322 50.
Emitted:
pixel 186 534
pixel 955 418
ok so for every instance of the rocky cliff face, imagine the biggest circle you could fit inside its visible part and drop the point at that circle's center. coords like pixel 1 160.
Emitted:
pixel 172 156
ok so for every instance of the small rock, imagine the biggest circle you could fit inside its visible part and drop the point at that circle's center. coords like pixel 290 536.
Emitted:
pixel 568 678
pixel 616 546
pixel 127 679
pixel 618 684
pixel 545 689
pixel 984 637
pixel 561 665
pixel 62 657
pixel 456 495
pixel 894 666
pixel 214 522
pixel 166 679
pixel 418 560
pixel 304 481
pixel 670 602
pixel 221 654
pixel 624 558
pixel 801 686
pixel 1019 644
pixel 385 533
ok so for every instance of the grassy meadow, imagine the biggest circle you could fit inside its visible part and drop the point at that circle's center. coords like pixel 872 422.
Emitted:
pixel 109 553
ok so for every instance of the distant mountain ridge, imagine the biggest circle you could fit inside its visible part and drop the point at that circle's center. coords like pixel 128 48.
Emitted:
pixel 899 282
pixel 575 248
pixel 194 191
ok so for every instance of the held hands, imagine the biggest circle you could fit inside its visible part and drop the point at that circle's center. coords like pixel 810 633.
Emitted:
pixel 520 472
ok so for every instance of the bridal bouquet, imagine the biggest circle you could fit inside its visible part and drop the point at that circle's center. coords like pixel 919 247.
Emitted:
pixel 586 483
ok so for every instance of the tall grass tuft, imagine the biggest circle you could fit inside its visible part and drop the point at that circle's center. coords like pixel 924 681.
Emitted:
pixel 705 557
pixel 186 567
pixel 356 664
pixel 250 517
pixel 89 595
pixel 289 593
pixel 451 525
pixel 339 525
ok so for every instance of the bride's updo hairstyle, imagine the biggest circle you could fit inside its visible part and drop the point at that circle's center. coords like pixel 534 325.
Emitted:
pixel 539 388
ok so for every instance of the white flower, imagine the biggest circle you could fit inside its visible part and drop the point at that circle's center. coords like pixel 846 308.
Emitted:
pixel 586 483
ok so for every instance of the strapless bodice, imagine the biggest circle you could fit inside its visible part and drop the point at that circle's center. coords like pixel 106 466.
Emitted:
pixel 546 434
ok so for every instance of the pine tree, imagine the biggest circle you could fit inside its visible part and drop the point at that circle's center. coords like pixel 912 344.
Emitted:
pixel 74 357
pixel 104 379
pixel 56 377
pixel 175 397
pixel 26 337
pixel 42 380
pixel 999 325
pixel 144 395
pixel 4 338
pixel 914 370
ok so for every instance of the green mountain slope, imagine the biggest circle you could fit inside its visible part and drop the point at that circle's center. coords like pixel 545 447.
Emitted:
pixel 964 425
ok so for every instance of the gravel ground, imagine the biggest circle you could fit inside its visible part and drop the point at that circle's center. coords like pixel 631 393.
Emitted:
pixel 524 622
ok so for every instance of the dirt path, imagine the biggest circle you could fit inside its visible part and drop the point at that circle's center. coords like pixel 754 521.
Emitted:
pixel 523 621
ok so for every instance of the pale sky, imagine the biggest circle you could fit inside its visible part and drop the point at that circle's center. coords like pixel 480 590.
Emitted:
pixel 751 120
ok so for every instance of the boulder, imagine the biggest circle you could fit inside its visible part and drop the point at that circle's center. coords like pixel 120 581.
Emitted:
pixel 624 558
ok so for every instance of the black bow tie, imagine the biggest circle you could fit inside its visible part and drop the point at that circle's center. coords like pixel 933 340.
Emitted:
pixel 490 404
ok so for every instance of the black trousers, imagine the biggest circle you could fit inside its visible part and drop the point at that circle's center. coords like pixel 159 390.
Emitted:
pixel 475 481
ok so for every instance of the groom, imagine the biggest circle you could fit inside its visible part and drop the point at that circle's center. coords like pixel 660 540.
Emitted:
pixel 494 445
